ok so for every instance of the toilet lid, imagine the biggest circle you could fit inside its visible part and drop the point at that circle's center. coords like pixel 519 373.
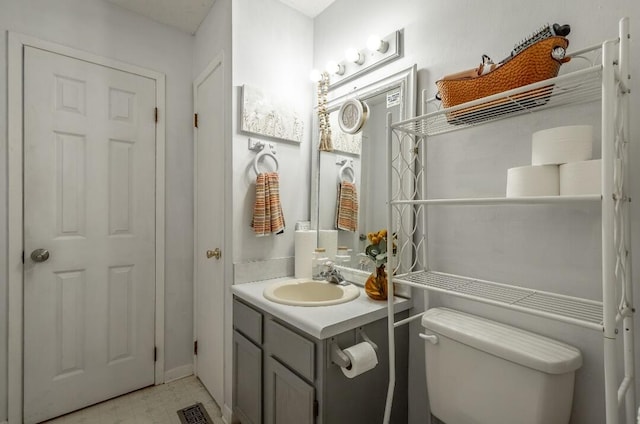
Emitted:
pixel 507 342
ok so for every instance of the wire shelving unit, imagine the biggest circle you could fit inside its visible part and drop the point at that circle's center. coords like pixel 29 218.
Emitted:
pixel 605 79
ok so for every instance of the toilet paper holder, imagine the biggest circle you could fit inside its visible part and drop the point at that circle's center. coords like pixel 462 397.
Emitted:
pixel 339 358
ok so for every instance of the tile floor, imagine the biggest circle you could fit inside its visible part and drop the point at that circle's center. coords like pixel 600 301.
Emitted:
pixel 153 405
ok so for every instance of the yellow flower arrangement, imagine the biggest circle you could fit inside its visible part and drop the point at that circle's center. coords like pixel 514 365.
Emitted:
pixel 377 250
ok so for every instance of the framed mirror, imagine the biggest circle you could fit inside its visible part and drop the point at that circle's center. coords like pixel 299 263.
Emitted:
pixel 361 159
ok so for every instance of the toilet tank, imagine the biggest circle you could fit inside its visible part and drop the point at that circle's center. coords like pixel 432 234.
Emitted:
pixel 484 372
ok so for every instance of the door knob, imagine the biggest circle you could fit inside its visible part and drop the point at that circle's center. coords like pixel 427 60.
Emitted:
pixel 215 253
pixel 40 255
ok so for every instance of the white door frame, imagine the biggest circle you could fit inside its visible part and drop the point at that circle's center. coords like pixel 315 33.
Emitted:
pixel 15 299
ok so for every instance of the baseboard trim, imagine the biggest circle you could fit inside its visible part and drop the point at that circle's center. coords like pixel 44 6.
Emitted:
pixel 178 373
pixel 227 414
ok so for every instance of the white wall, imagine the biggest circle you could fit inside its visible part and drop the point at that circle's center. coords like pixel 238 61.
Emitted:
pixel 550 248
pixel 272 51
pixel 104 29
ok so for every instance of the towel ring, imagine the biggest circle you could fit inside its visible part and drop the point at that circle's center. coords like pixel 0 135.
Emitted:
pixel 265 152
pixel 342 174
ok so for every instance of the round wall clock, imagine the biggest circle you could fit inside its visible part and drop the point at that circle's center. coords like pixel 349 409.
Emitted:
pixel 352 116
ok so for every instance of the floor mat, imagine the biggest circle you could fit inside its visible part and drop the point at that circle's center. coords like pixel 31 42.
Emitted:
pixel 194 414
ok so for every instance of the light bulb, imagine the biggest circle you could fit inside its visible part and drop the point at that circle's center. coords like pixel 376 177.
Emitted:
pixel 353 55
pixel 375 43
pixel 315 75
pixel 335 68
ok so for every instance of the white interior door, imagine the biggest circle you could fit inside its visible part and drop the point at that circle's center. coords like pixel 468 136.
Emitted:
pixel 209 229
pixel 89 200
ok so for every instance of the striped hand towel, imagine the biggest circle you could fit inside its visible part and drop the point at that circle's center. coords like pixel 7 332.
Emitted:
pixel 267 210
pixel 347 207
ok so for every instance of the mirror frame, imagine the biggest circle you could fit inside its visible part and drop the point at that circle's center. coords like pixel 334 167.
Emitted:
pixel 405 80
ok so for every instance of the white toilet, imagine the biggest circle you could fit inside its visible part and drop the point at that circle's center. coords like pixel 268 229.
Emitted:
pixel 483 372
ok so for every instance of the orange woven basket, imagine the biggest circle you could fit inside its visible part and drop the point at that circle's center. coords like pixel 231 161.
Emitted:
pixel 533 64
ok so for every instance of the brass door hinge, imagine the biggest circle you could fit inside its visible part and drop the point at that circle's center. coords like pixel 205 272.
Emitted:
pixel 155 114
pixel 155 354
pixel 195 347
pixel 316 408
pixel 195 120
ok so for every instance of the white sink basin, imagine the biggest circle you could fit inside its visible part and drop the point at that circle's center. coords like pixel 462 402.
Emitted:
pixel 307 292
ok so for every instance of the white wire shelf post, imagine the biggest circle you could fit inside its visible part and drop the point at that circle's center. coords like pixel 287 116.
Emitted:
pixel 623 139
pixel 608 82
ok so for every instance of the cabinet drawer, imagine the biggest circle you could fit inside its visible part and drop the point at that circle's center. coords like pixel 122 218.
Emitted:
pixel 290 348
pixel 247 321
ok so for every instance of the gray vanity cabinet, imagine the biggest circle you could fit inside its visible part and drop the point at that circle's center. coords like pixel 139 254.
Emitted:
pixel 284 376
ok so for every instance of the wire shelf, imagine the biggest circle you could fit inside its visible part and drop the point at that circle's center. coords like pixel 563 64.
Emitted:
pixel 574 88
pixel 573 310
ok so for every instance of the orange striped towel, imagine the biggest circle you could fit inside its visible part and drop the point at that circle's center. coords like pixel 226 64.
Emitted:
pixel 347 207
pixel 267 210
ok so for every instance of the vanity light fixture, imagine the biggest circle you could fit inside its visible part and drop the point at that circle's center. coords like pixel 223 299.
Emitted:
pixel 334 68
pixel 375 43
pixel 379 51
pixel 354 55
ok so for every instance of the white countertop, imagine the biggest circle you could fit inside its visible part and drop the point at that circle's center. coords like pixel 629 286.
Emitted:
pixel 320 322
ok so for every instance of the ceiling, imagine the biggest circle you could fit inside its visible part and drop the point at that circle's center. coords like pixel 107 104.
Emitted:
pixel 311 8
pixel 187 15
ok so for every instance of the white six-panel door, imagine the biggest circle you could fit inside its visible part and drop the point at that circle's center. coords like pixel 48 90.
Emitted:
pixel 210 228
pixel 89 200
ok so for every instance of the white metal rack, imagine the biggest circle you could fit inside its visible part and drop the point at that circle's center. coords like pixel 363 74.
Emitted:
pixel 605 79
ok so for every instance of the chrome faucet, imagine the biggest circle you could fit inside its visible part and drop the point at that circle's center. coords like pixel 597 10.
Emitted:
pixel 332 275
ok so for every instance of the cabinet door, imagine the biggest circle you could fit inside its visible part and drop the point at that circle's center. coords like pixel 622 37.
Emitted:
pixel 288 398
pixel 247 380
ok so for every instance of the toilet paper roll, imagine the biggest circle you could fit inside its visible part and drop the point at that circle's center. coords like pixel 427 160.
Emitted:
pixel 578 178
pixel 304 245
pixel 533 181
pixel 559 145
pixel 363 358
pixel 329 240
